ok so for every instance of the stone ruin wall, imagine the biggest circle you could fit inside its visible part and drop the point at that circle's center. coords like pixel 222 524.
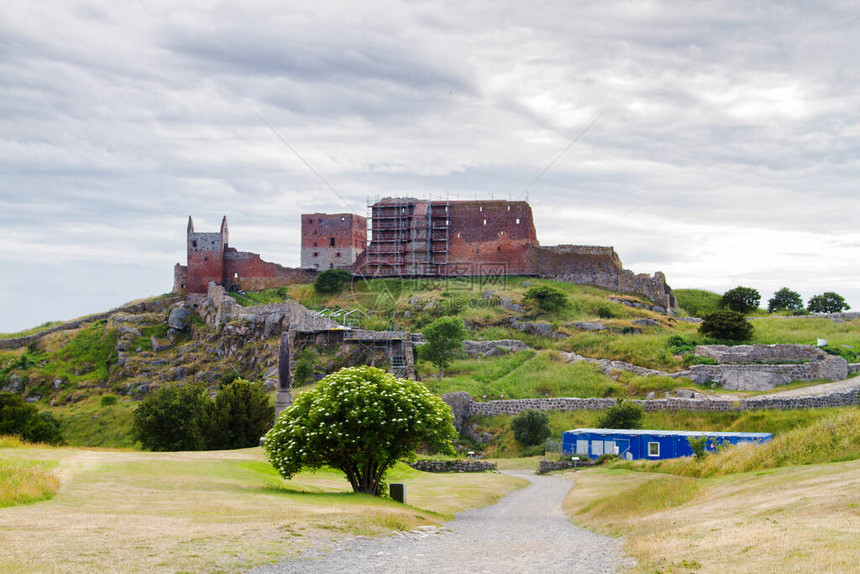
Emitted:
pixel 745 354
pixel 601 267
pixel 464 406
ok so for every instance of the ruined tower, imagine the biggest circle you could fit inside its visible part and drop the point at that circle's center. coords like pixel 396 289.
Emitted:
pixel 205 257
pixel 332 241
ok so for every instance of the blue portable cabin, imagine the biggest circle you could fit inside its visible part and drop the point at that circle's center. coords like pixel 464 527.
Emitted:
pixel 635 444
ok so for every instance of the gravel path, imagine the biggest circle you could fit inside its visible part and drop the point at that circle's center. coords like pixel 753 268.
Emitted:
pixel 526 531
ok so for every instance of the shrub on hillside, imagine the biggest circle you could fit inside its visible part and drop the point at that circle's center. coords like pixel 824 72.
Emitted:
pixel 184 417
pixel 827 302
pixel 172 418
pixel 623 415
pixel 444 341
pixel 239 416
pixel 25 421
pixel 546 297
pixel 740 299
pixel 531 427
pixel 785 300
pixel 728 325
pixel 108 400
pixel 678 345
pixel 332 281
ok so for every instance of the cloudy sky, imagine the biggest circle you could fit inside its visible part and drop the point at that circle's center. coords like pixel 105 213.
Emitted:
pixel 726 153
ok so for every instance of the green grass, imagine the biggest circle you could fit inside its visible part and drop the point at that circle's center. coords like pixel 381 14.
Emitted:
pixel 87 423
pixel 773 421
pixel 31 331
pixel 660 493
pixel 697 302
pixel 24 481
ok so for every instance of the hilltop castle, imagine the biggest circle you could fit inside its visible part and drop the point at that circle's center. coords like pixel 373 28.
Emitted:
pixel 416 238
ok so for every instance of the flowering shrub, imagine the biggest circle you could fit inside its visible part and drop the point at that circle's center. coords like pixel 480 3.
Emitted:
pixel 359 420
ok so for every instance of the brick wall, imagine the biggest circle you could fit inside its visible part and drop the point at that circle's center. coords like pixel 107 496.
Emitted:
pixel 332 240
pixel 248 271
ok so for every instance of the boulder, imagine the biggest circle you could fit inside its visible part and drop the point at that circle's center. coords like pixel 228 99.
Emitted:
pixel 179 319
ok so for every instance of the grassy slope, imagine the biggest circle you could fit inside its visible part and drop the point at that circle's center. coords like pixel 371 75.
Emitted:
pixel 207 511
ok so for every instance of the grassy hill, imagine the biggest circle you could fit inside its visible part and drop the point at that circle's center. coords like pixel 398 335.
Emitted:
pixel 69 370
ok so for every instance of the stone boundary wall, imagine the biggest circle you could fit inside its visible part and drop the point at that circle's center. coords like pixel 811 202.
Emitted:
pixel 133 308
pixel 453 465
pixel 464 408
pixel 853 368
pixel 747 354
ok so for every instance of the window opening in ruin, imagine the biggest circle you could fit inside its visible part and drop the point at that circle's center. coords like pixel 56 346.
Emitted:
pixel 331 241
pixel 337 254
pixel 343 218
pixel 499 248
pixel 236 276
pixel 518 220
pixel 481 208
pixel 193 243
pixel 509 208
pixel 485 222
pixel 315 243
pixel 205 259
pixel 316 253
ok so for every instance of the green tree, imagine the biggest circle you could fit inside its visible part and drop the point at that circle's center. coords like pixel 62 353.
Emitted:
pixel 531 427
pixel 239 416
pixel 24 420
pixel 729 325
pixel 827 302
pixel 443 341
pixel 173 418
pixel 332 281
pixel 622 415
pixel 546 297
pixel 740 299
pixel 699 444
pixel 785 300
pixel 359 420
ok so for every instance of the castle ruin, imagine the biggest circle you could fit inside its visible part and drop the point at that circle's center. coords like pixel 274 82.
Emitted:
pixel 417 238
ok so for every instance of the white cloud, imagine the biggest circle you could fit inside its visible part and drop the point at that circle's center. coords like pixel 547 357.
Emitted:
pixel 727 153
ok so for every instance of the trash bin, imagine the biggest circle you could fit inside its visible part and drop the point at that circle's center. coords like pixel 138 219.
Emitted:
pixel 397 491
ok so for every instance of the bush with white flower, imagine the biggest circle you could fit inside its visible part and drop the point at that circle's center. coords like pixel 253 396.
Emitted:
pixel 361 421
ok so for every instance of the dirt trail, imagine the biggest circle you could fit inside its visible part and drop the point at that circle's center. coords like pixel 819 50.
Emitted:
pixel 527 531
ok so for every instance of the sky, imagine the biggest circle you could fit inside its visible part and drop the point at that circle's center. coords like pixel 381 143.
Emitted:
pixel 722 148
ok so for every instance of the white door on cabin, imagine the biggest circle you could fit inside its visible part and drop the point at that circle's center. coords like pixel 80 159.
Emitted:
pixel 597 447
pixel 582 447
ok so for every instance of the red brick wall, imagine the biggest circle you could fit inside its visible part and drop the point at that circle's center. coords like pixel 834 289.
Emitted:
pixel 491 235
pixel 248 271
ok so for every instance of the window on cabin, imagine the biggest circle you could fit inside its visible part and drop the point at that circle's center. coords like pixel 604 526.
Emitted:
pixel 653 449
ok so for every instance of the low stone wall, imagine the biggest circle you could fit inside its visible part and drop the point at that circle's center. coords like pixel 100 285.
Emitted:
pixel 830 367
pixel 747 354
pixel 453 465
pixel 545 466
pixel 853 368
pixel 465 407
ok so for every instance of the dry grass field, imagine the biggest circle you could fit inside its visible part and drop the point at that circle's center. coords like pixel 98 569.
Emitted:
pixel 793 519
pixel 206 511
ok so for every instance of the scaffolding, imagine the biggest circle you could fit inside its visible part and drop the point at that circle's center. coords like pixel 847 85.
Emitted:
pixel 408 237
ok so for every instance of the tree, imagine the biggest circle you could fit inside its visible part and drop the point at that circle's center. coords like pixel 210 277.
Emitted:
pixel 785 300
pixel 546 297
pixel 729 325
pixel 827 302
pixel 24 420
pixel 622 415
pixel 332 280
pixel 239 416
pixel 531 427
pixel 173 418
pixel 740 299
pixel 443 341
pixel 359 420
